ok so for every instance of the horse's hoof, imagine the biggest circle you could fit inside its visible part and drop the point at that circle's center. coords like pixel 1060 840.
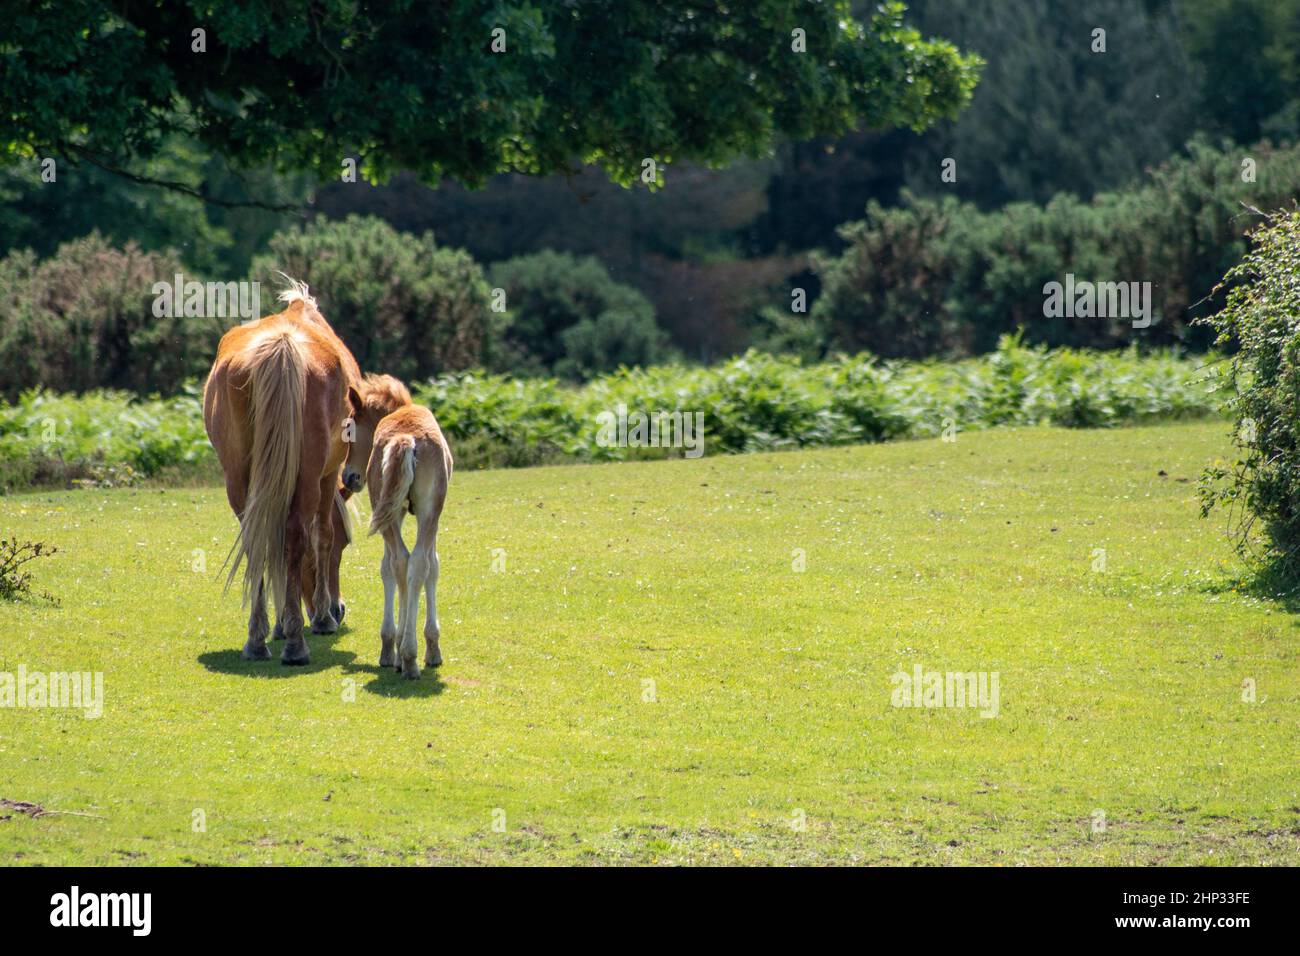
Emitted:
pixel 338 610
pixel 257 652
pixel 432 659
pixel 410 669
pixel 324 625
pixel 387 657
pixel 276 635
pixel 295 655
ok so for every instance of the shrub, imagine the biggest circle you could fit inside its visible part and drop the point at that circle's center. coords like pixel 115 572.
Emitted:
pixel 50 439
pixel 83 319
pixel 16 583
pixel 1262 384
pixel 403 304
pixel 940 277
pixel 752 403
pixel 570 318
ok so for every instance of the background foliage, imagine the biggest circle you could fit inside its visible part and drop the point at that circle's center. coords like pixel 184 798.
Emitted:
pixel 942 277
pixel 755 402
pixel 716 251
pixel 404 304
pixel 1261 321
pixel 84 319
pixel 420 87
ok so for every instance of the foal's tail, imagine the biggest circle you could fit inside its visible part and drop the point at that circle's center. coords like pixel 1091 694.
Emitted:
pixel 395 484
pixel 278 383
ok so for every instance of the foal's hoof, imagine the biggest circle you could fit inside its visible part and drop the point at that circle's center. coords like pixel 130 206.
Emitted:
pixel 410 669
pixel 325 624
pixel 257 652
pixel 276 635
pixel 295 655
pixel 338 610
pixel 432 658
pixel 386 656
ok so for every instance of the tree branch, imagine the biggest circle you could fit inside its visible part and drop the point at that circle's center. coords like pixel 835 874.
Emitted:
pixel 174 186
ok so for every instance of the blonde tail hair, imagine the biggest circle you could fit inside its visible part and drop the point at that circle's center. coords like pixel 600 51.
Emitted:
pixel 278 385
pixel 397 475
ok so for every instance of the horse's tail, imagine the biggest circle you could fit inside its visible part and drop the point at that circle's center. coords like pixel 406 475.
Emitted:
pixel 395 483
pixel 278 383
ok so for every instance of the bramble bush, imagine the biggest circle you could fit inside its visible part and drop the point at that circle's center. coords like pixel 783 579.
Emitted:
pixel 15 583
pixel 102 437
pixel 1262 383
pixel 756 402
pixel 760 402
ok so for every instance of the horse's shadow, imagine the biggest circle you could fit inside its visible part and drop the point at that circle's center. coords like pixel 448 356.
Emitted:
pixel 389 683
pixel 323 656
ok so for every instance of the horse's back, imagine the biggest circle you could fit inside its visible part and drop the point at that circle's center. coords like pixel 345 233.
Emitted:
pixel 327 365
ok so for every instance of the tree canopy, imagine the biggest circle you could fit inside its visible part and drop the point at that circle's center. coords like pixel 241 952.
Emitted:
pixel 462 88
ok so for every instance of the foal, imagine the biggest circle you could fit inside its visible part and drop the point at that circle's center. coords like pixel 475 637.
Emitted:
pixel 409 470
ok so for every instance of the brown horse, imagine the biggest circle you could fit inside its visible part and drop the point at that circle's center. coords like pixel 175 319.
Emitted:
pixel 275 407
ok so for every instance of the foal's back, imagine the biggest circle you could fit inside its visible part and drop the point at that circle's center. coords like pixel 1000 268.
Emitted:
pixel 410 467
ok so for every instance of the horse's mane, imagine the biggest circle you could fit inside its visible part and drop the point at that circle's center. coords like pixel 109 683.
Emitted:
pixel 296 292
pixel 385 394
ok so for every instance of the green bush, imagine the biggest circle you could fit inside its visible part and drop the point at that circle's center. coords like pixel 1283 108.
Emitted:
pixel 570 318
pixel 758 402
pixel 1262 383
pixel 403 304
pixel 83 319
pixel 755 402
pixel 940 277
pixel 51 439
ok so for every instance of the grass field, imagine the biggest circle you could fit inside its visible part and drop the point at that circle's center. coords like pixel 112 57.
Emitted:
pixel 649 679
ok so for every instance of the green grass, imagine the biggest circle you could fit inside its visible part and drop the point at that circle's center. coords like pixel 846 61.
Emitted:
pixel 1120 690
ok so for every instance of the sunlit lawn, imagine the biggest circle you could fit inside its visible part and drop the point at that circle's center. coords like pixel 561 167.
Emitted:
pixel 640 674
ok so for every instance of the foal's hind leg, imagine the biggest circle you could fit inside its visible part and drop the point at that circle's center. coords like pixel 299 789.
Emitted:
pixel 432 654
pixel 393 572
pixel 429 524
pixel 423 561
pixel 387 630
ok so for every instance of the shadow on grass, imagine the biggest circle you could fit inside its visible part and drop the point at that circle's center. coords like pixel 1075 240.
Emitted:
pixel 321 646
pixel 389 683
pixel 1265 582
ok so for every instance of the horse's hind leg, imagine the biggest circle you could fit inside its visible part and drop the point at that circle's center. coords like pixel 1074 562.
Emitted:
pixel 256 649
pixel 296 527
pixel 337 607
pixel 309 577
pixel 323 620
